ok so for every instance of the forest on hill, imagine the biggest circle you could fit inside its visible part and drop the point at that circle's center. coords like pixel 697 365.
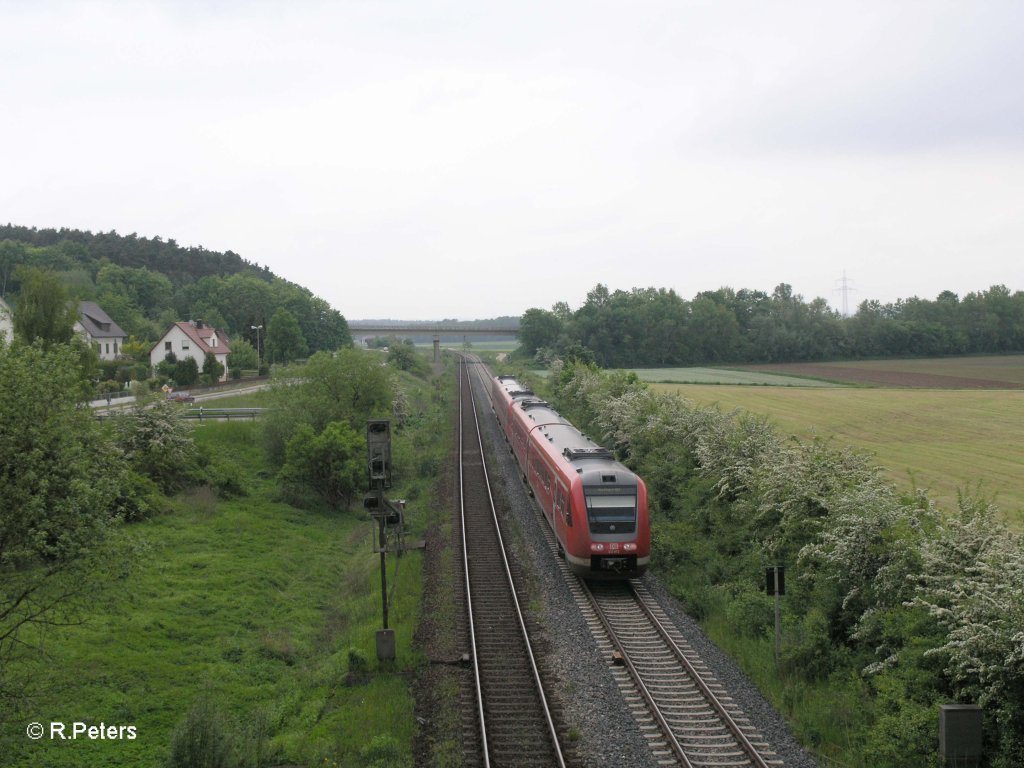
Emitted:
pixel 146 284
pixel 656 327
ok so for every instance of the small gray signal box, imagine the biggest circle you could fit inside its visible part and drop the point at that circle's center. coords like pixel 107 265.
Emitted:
pixel 378 446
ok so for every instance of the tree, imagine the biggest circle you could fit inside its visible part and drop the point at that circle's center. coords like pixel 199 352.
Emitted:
pixel 285 341
pixel 43 310
pixel 186 372
pixel 213 369
pixel 332 464
pixel 158 443
pixel 403 355
pixel 12 255
pixel 57 512
pixel 350 385
pixel 538 328
pixel 242 356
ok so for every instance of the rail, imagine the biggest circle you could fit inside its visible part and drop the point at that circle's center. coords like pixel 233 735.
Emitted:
pixel 507 571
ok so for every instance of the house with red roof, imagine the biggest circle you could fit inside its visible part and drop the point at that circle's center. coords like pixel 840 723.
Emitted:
pixel 192 339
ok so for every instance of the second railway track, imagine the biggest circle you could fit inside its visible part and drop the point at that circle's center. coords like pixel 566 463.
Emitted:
pixel 514 723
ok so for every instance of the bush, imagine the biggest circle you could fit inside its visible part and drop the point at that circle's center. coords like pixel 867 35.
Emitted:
pixel 202 739
pixel 358 668
pixel 748 610
pixel 350 386
pixel 331 465
pixel 158 443
pixel 186 372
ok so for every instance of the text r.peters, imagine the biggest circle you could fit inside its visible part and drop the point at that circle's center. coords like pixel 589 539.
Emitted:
pixel 94 732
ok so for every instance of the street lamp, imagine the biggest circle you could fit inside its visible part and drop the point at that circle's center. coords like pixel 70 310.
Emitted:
pixel 259 357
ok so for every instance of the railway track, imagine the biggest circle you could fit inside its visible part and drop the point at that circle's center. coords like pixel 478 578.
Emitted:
pixel 697 723
pixel 513 723
pixel 685 715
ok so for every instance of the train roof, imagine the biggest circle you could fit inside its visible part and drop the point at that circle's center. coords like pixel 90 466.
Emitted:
pixel 568 443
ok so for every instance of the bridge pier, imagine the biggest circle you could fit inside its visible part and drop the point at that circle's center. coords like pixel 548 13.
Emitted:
pixel 437 348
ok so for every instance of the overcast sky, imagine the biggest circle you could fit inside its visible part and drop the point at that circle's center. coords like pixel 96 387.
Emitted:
pixel 417 159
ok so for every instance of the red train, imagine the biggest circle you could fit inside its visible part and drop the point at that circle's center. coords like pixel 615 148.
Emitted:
pixel 595 505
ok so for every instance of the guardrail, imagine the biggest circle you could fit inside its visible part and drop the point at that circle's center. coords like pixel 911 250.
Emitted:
pixel 221 414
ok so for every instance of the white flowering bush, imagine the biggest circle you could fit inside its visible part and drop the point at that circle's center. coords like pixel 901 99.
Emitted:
pixel 971 581
pixel 928 608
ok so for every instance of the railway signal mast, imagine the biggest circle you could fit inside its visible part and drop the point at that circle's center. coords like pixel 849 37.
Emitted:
pixel 388 514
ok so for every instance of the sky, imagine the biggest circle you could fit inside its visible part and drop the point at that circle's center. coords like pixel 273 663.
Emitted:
pixel 462 159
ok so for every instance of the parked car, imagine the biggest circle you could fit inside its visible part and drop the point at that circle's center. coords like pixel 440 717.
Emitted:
pixel 180 397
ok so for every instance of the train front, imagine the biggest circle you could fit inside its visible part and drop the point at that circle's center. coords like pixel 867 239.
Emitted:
pixel 618 540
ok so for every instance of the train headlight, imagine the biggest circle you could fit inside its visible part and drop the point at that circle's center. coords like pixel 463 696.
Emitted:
pixel 597 547
pixel 629 547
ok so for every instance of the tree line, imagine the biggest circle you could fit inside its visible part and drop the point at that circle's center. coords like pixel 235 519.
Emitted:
pixel 657 327
pixel 145 285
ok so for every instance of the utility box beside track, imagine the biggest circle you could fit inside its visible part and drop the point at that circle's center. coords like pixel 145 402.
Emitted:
pixel 960 735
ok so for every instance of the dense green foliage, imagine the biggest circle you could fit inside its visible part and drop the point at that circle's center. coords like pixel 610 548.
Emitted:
pixel 891 603
pixel 285 341
pixel 60 481
pixel 66 483
pixel 147 284
pixel 656 327
pixel 242 357
pixel 331 465
pixel 350 386
pixel 245 636
pixel 403 355
pixel 43 311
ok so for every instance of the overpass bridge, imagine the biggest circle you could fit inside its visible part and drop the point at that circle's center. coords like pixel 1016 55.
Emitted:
pixel 365 330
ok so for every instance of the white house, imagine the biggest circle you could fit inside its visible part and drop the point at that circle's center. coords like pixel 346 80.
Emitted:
pixel 96 327
pixel 6 325
pixel 192 339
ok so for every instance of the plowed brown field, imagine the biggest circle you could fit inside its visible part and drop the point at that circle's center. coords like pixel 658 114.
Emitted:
pixel 947 373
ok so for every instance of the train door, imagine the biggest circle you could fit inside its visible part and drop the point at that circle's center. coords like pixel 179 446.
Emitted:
pixel 562 516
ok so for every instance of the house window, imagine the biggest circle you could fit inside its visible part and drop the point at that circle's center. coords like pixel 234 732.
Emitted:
pixel 184 344
pixel 115 347
pixel 107 351
pixel 167 346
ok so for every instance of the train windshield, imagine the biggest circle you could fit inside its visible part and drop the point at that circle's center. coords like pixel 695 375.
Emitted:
pixel 611 510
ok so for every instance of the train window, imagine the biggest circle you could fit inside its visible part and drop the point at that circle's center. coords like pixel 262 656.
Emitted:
pixel 610 513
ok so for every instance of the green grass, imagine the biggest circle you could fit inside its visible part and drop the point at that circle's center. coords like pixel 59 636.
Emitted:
pixel 248 400
pixel 725 376
pixel 944 439
pixel 824 717
pixel 250 602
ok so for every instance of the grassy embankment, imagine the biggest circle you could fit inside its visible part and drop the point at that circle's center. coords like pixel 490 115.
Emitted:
pixel 252 604
pixel 942 440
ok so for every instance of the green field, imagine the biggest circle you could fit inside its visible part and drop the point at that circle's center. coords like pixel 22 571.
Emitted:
pixel 249 602
pixel 725 376
pixel 944 439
